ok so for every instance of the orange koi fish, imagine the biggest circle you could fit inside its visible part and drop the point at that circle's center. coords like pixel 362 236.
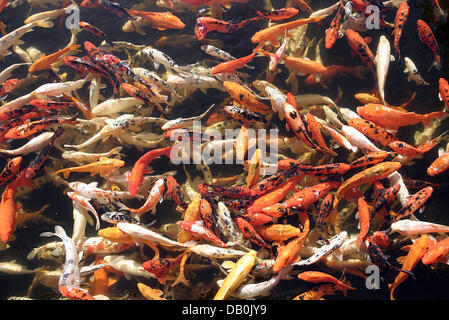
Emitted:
pixel 279 14
pixel 10 170
pixel 372 131
pixel 244 97
pixel 296 124
pixel 75 293
pixel 440 165
pixel 406 149
pixel 364 220
pixel 191 214
pixel 258 219
pixel 409 262
pixel 271 33
pixel 233 65
pixel 393 119
pixel 426 35
pixel 360 47
pixel 378 172
pixel 414 203
pixel 300 200
pixel 174 190
pixel 443 88
pixel 317 293
pixel 141 167
pixel 204 25
pixel 278 232
pixel 333 33
pixel 399 24
pixel 155 196
pixel 273 196
pixel 242 142
pixel 104 167
pixel 288 253
pixel 250 233
pixel 30 128
pixel 7 87
pixel 159 20
pixel 45 62
pixel 300 65
pixel 206 214
pixel 436 252
pixel 160 267
pixel 150 293
pixel 369 159
pixel 318 277
pixel 314 129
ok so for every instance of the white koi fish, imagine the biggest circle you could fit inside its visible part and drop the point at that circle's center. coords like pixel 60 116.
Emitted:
pixel 334 243
pixel 411 227
pixel 35 144
pixel 58 89
pixel 113 106
pixel 277 99
pixel 383 57
pixel 84 157
pixel 214 252
pixel 70 274
pixel 412 71
pixel 358 139
pixel 84 202
pixel 51 15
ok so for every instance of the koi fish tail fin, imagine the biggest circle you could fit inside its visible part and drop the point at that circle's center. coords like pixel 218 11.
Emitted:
pixel 409 100
pixel 433 115
pixel 122 206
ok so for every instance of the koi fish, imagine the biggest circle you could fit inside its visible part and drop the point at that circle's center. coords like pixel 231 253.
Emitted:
pixel 323 213
pixel 386 197
pixel 10 170
pixel 372 130
pixel 369 159
pixel 413 74
pixel 411 227
pixel 393 119
pixel 75 293
pixel 414 203
pixel 314 129
pixel 116 217
pixel 250 233
pixel 159 20
pixel 244 97
pixel 271 33
pixel 174 190
pixel 426 35
pixel 275 59
pixel 378 172
pixel 45 62
pixel 379 259
pixel 33 145
pixel 299 65
pixel 405 149
pixel 333 32
pixel 363 215
pixel 360 47
pixel 278 232
pixel 279 14
pixel 33 127
pixel 198 230
pixel 443 89
pixel 358 139
pixel 149 293
pixel 399 23
pixel 410 261
pixel 440 164
pixel 94 30
pixel 104 167
pixel 237 275
pixel 155 196
pixel 204 25
pixel 84 202
pixel 231 66
pixel 7 87
pixel 318 277
pixel 333 244
pixel 140 167
pixel 160 267
pixel 382 63
pixel 436 252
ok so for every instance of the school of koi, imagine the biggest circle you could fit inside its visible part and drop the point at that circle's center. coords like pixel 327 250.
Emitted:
pixel 95 113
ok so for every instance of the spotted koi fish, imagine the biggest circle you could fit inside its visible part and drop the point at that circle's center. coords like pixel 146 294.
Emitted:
pixel 94 30
pixel 10 170
pixel 243 115
pixel 244 97
pixel 378 258
pixel 7 87
pixel 360 47
pixel 33 127
pixel 414 203
pixel 37 163
pixel 279 14
pixel 333 32
pixel 426 35
pixel 75 293
pixel 174 190
pixel 370 159
pixel 155 196
pixel 399 22
pixel 385 198
pixel 204 25
pixel 160 267
pixel 323 213
pixel 250 233
pixel 372 131
pixel 405 149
